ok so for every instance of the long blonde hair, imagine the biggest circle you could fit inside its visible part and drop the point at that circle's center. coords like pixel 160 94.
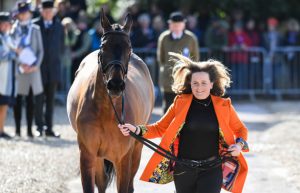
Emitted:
pixel 185 67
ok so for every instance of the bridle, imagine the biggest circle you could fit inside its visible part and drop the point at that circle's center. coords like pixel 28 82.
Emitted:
pixel 161 151
pixel 106 68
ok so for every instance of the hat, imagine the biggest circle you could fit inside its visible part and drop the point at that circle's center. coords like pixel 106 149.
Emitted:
pixel 23 6
pixel 4 17
pixel 272 21
pixel 176 17
pixel 47 4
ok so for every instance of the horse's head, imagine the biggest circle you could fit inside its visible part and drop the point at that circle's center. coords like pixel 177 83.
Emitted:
pixel 114 54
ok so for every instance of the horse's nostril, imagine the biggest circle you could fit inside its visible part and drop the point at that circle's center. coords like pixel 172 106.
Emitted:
pixel 109 85
pixel 116 85
pixel 122 86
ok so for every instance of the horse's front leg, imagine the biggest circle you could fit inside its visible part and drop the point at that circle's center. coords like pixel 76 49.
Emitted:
pixel 87 169
pixel 123 171
pixel 136 157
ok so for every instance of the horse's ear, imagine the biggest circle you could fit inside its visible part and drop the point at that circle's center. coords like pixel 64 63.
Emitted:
pixel 105 22
pixel 128 23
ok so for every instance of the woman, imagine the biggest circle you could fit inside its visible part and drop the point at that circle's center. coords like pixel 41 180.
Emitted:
pixel 27 37
pixel 7 72
pixel 199 125
pixel 70 38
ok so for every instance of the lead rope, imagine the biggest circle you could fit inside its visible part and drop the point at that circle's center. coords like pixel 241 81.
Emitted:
pixel 156 148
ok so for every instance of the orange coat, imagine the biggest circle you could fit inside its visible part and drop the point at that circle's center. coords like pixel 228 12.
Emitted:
pixel 170 124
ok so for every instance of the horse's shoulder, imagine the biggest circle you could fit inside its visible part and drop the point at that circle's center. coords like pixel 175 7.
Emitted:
pixel 135 57
pixel 136 61
pixel 89 59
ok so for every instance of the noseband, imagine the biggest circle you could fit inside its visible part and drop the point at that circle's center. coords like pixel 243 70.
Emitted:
pixel 109 65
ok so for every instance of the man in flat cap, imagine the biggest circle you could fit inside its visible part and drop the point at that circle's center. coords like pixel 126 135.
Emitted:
pixel 53 40
pixel 179 40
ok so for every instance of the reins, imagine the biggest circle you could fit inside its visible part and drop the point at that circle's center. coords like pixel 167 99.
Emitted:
pixel 153 146
pixel 161 151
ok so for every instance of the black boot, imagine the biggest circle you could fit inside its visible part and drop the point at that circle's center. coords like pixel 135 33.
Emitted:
pixel 18 132
pixel 39 131
pixel 50 133
pixel 18 128
pixel 5 136
pixel 29 132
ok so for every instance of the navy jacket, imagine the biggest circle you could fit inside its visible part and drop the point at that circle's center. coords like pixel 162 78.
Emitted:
pixel 53 41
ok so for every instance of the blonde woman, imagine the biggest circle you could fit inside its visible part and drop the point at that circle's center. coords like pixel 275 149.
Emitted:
pixel 199 125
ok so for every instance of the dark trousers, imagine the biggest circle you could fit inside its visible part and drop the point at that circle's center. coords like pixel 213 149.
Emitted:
pixel 191 180
pixel 30 110
pixel 48 100
pixel 168 100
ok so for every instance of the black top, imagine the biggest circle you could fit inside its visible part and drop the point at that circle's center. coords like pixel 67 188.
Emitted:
pixel 199 137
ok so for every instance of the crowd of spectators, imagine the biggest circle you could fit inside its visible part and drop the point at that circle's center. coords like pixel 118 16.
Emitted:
pixel 82 35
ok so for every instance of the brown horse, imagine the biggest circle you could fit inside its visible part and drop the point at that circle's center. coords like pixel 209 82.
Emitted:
pixel 113 70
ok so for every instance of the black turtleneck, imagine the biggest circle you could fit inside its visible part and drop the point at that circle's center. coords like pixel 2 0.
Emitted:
pixel 199 137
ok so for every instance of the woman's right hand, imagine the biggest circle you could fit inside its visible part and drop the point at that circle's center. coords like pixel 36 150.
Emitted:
pixel 126 128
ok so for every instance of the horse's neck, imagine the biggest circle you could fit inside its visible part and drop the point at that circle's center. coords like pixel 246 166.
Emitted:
pixel 100 92
pixel 101 97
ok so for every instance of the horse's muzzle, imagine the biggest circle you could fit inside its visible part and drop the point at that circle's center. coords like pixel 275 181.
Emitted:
pixel 115 87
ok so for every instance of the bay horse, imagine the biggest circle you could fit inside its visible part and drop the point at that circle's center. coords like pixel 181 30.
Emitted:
pixel 111 72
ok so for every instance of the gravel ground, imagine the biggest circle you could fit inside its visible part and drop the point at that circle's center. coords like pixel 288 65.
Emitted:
pixel 52 165
pixel 41 164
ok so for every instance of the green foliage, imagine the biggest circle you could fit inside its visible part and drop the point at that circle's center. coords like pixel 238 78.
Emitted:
pixel 260 9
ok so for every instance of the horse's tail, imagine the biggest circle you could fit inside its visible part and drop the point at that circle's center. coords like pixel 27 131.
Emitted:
pixel 109 171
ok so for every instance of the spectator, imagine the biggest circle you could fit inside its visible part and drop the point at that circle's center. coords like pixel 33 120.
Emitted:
pixel 177 40
pixel 155 10
pixel 272 39
pixel 143 36
pixel 80 3
pixel 255 58
pixel 292 38
pixel 158 26
pixel 29 83
pixel 239 41
pixel 96 33
pixel 71 34
pixel 216 36
pixel 192 25
pixel 237 17
pixel 292 35
pixel 63 7
pixel 253 33
pixel 7 70
pixel 76 7
pixel 53 41
pixel 135 11
pixel 83 44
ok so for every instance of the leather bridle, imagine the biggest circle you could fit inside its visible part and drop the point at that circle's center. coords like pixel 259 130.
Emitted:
pixel 107 67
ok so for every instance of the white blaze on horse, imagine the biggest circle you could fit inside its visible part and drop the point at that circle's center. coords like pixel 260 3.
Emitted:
pixel 113 71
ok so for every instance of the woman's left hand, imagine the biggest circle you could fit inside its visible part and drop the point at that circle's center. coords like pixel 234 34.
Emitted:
pixel 235 149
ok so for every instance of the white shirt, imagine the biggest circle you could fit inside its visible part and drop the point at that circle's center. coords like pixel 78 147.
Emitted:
pixel 175 36
pixel 47 24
